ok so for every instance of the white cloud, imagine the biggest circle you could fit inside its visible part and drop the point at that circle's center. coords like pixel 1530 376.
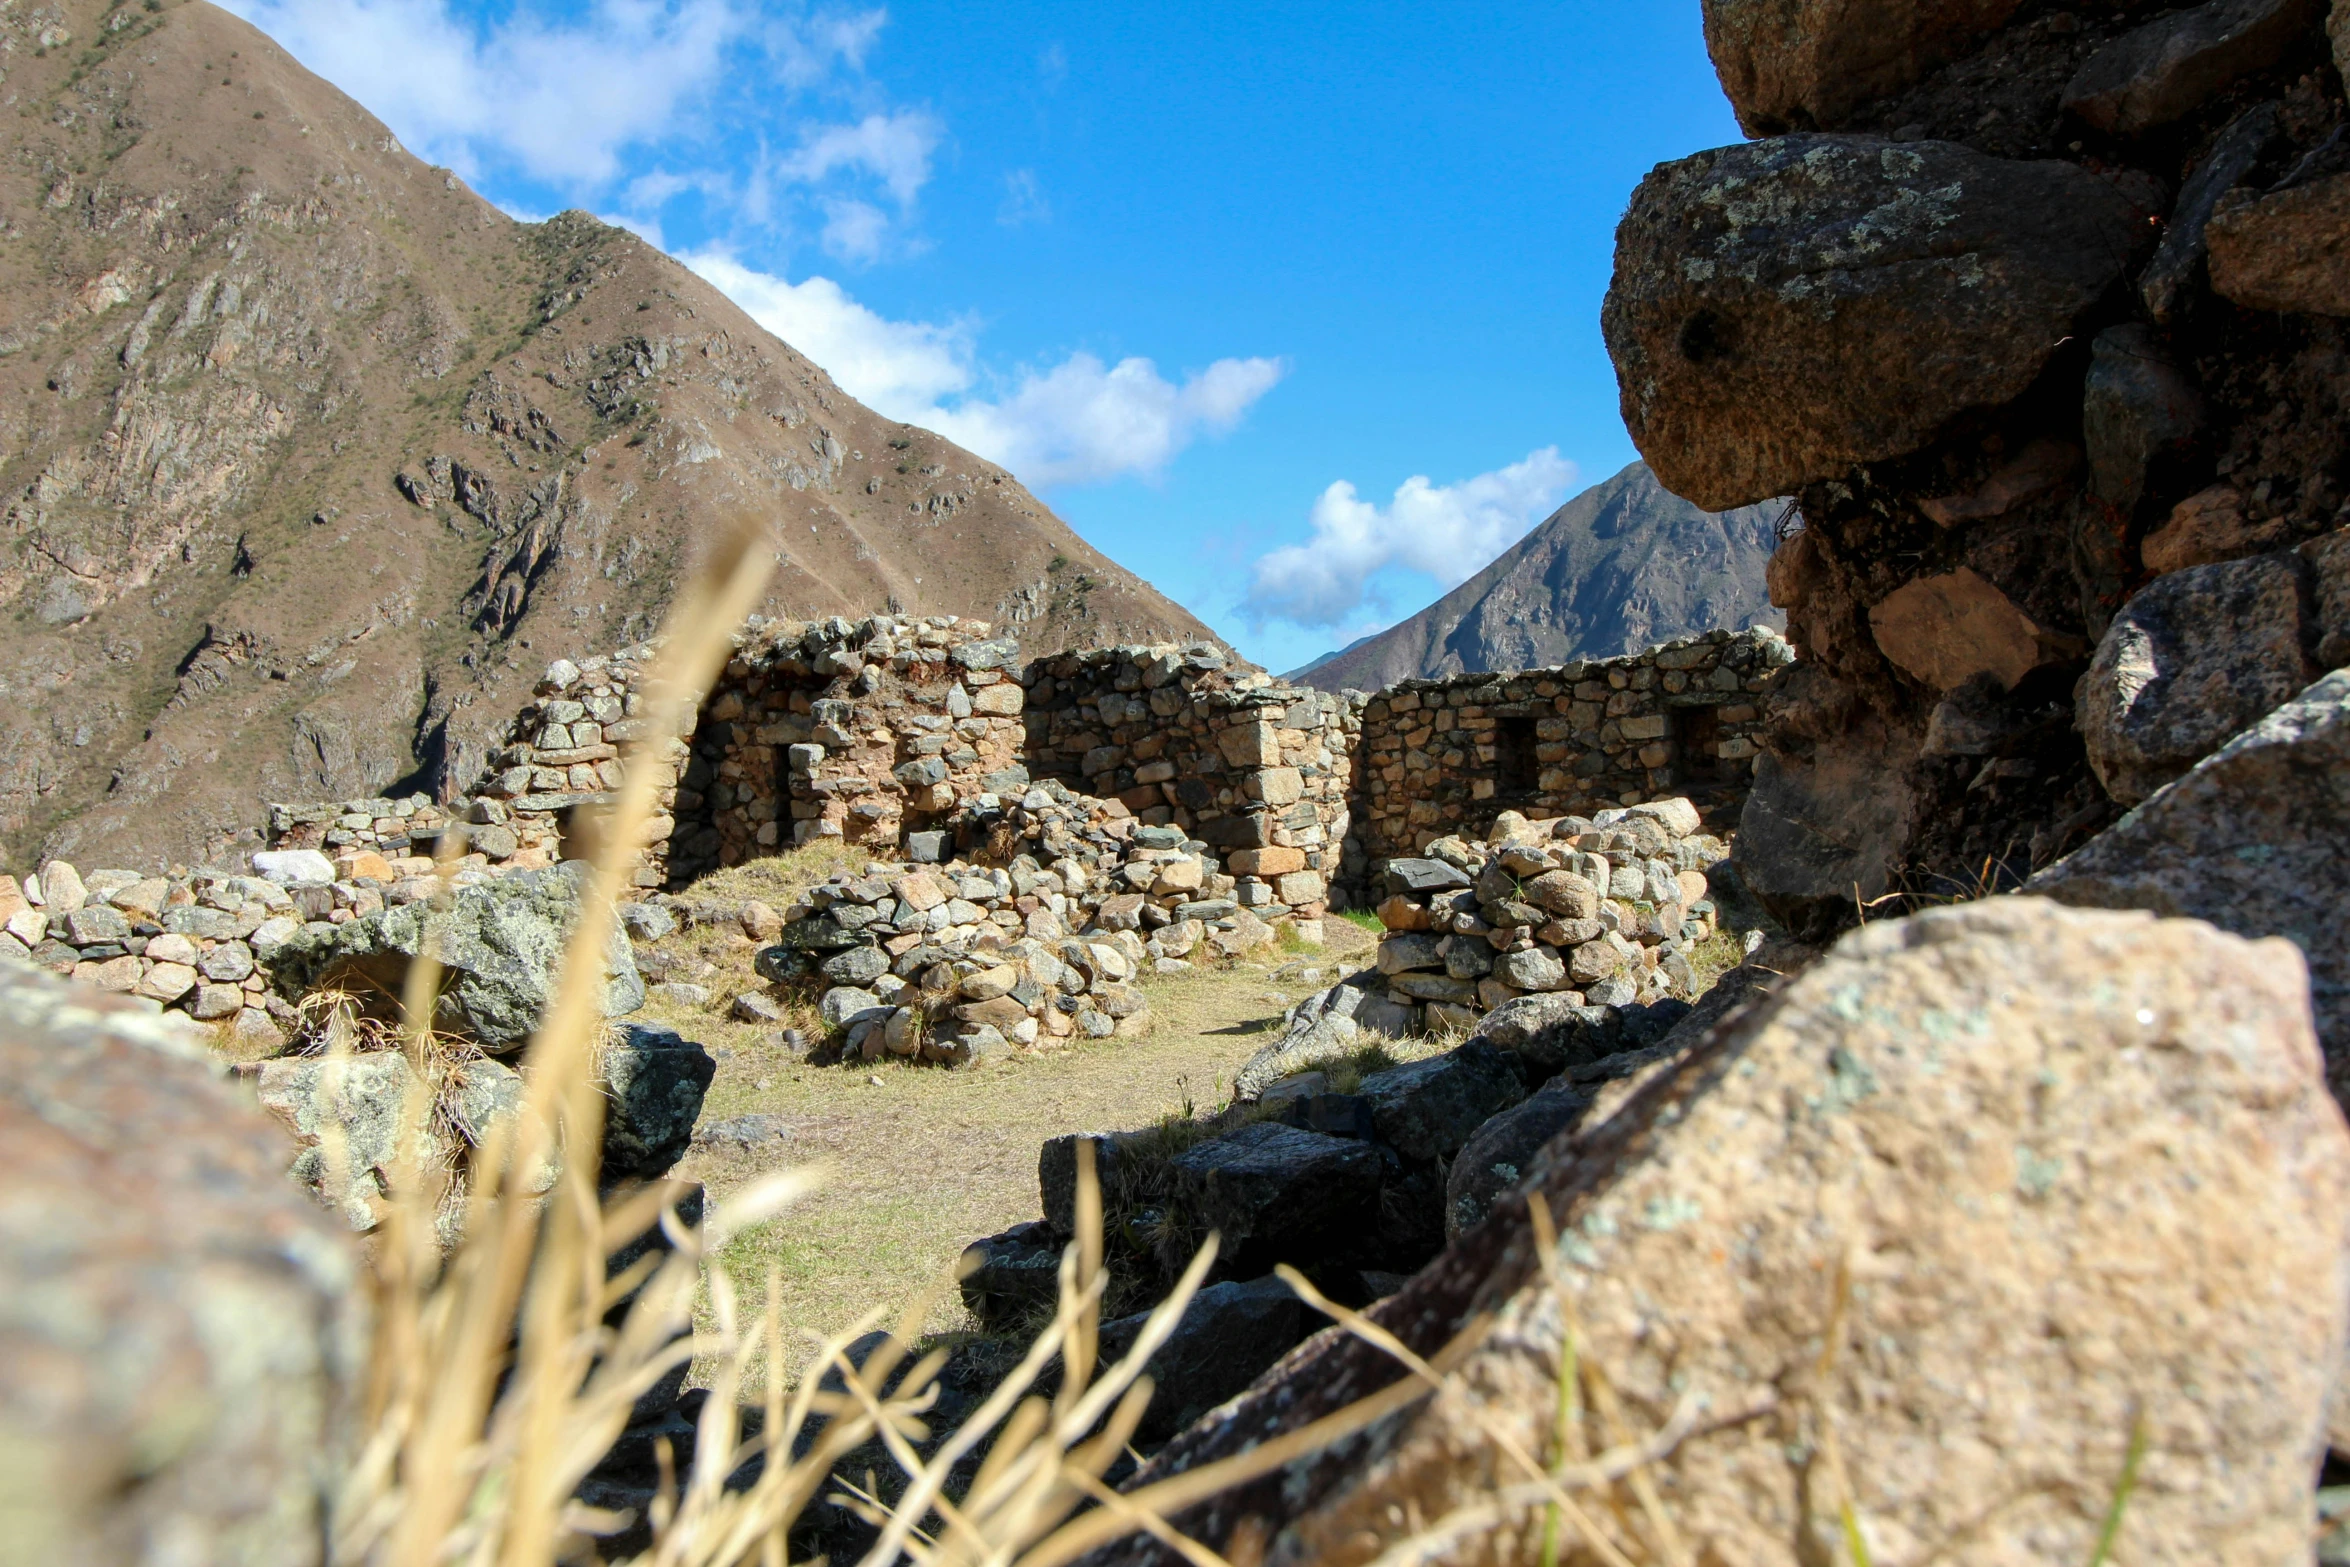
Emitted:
pixel 560 100
pixel 1024 200
pixel 893 148
pixel 896 368
pixel 855 230
pixel 1080 422
pixel 1450 531
pixel 574 95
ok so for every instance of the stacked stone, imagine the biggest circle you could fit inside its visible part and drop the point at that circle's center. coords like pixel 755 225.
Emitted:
pixel 954 963
pixel 562 760
pixel 197 943
pixel 1602 909
pixel 1605 732
pixel 1259 770
pixel 394 840
pixel 2108 436
pixel 863 730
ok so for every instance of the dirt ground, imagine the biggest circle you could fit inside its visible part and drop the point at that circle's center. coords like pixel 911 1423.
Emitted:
pixel 920 1161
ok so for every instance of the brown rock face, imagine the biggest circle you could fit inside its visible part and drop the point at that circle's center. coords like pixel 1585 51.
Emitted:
pixel 1946 630
pixel 2208 526
pixel 2044 1148
pixel 1786 310
pixel 179 1327
pixel 1800 64
pixel 2289 251
pixel 323 458
pixel 2173 65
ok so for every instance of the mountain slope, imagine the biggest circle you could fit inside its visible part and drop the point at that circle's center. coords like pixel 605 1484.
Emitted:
pixel 1623 566
pixel 310 459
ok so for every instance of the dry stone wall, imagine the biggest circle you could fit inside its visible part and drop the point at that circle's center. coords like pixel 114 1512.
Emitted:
pixel 911 737
pixel 1258 770
pixel 1600 912
pixel 1447 757
pixel 2045 335
pixel 932 741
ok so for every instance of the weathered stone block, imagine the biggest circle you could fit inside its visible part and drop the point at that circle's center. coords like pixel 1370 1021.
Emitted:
pixel 1785 310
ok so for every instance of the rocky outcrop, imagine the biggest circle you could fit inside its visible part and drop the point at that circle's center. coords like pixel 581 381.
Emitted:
pixel 654 1080
pixel 183 1329
pixel 2172 66
pixel 2037 316
pixel 1787 310
pixel 2255 839
pixel 2286 251
pixel 1626 565
pixel 1974 1162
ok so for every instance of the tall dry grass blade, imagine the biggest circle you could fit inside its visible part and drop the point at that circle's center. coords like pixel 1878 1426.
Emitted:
pixel 2132 1458
pixel 1566 1421
pixel 436 1457
pixel 561 1088
pixel 1824 1409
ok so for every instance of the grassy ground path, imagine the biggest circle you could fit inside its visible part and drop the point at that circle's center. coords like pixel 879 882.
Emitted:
pixel 922 1161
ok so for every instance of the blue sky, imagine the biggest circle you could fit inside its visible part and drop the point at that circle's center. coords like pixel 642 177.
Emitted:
pixel 1293 309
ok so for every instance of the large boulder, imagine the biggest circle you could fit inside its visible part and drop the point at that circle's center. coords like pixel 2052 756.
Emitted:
pixel 1056 1175
pixel 2194 658
pixel 2172 66
pixel 1785 310
pixel 654 1080
pixel 2137 408
pixel 2287 251
pixel 1805 64
pixel 1228 1336
pixel 1946 629
pixel 1308 1041
pixel 2179 264
pixel 1821 832
pixel 182 1329
pixel 500 945
pixel 1427 1109
pixel 348 1115
pixel 1006 1277
pixel 1501 1151
pixel 2255 839
pixel 1979 1192
pixel 1279 1193
pixel 1550 1033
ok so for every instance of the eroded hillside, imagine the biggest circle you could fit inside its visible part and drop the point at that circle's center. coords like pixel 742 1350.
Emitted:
pixel 310 457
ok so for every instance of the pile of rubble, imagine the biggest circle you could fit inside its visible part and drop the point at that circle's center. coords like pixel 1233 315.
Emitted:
pixel 195 942
pixel 390 840
pixel 1603 909
pixel 958 962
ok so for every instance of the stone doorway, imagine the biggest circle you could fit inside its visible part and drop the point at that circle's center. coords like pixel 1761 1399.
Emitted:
pixel 1517 769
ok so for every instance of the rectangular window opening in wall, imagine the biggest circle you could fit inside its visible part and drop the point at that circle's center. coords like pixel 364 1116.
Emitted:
pixel 1517 774
pixel 1697 733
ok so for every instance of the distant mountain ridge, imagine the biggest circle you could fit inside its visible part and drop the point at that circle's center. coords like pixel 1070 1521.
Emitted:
pixel 1623 566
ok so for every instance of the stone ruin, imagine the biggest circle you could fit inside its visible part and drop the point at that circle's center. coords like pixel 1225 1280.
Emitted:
pixel 1440 758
